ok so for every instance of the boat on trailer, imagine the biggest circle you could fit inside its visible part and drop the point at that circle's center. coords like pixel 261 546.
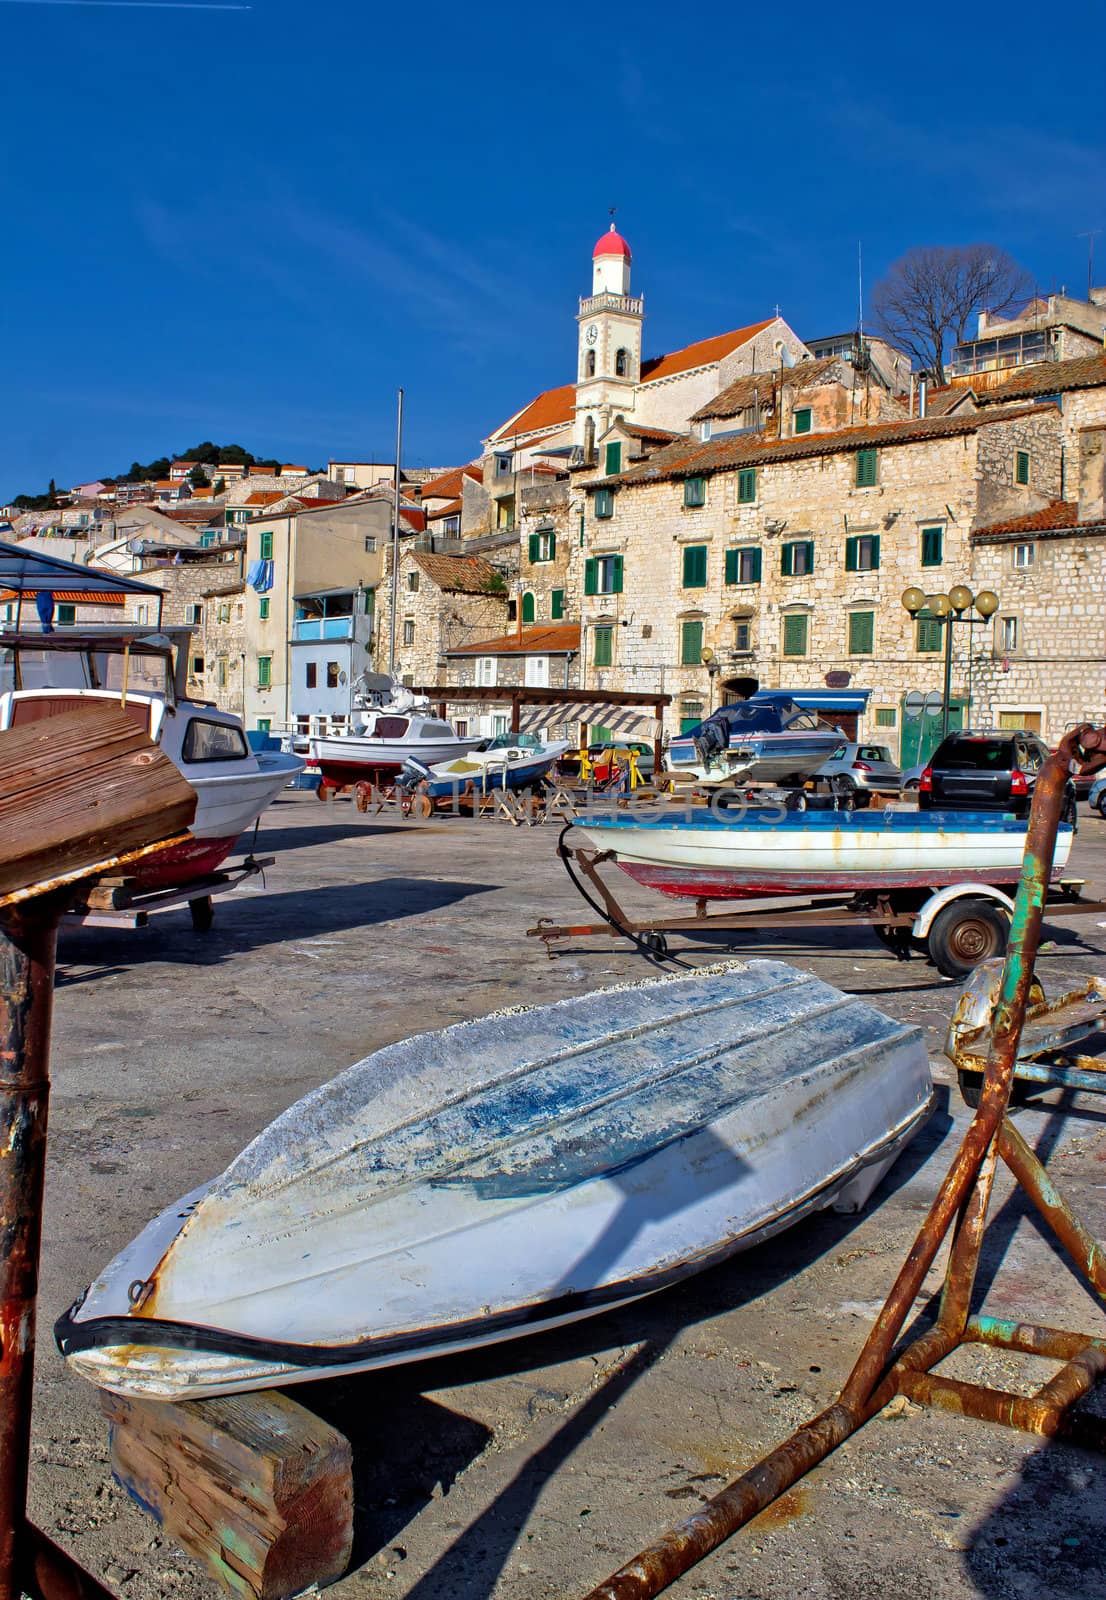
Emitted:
pixel 767 739
pixel 710 854
pixel 509 761
pixel 391 726
pixel 62 671
pixel 510 1175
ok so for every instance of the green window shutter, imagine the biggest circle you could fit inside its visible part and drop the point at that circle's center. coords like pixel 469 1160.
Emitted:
pixel 695 492
pixel 583 520
pixel 528 611
pixel 604 503
pixel 616 575
pixel 264 671
pixel 885 716
pixel 861 632
pixel 852 553
pixel 747 485
pixel 787 560
pixel 267 545
pixel 875 553
pixel 1021 468
pixel 591 576
pixel 865 468
pixel 731 565
pixel 931 546
pixel 691 644
pixel 263 610
pixel 755 565
pixel 557 605
pixel 614 459
pixel 695 566
pixel 802 420
pixel 809 554
pixel 552 556
pixel 930 637
pixel 601 656
pixel 794 634
pixel 533 547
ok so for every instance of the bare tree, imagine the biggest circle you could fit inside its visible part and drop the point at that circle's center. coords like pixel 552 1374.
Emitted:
pixel 928 297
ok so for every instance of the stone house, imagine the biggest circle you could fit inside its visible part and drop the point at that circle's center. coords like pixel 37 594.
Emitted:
pixel 812 396
pixel 546 656
pixel 1077 387
pixel 187 576
pixel 1048 329
pixel 723 565
pixel 443 602
pixel 221 642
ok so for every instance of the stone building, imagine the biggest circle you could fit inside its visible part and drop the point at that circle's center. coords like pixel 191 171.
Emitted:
pixel 443 603
pixel 740 562
pixel 188 575
pixel 1057 327
pixel 546 656
pixel 221 643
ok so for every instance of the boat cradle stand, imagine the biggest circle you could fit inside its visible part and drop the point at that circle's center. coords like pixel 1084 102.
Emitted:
pixel 885 1368
pixel 113 903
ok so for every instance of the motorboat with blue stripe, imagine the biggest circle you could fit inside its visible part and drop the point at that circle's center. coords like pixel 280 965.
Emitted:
pixel 767 739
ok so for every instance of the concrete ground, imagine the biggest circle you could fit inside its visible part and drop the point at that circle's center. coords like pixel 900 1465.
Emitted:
pixel 535 1469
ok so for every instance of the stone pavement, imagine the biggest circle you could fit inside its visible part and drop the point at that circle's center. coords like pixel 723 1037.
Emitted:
pixel 534 1469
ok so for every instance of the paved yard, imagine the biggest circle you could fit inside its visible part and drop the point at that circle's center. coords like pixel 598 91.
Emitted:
pixel 534 1469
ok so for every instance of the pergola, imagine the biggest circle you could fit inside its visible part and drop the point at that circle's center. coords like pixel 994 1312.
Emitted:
pixel 595 700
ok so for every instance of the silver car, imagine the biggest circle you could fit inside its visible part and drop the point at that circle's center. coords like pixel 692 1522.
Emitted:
pixel 859 766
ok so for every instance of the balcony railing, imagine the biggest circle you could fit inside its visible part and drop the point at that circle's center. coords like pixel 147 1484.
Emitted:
pixel 633 305
pixel 306 628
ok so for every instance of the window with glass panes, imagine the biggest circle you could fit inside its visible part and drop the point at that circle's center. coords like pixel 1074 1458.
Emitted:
pixel 603 575
pixel 743 634
pixel 862 628
pixel 795 629
pixel 695 491
pixel 862 552
pixel 542 545
pixel 797 558
pixel 932 546
pixel 602 646
pixel 743 565
pixel 691 644
pixel 695 566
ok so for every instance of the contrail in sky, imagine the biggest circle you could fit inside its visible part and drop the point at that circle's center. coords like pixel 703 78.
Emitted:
pixel 139 5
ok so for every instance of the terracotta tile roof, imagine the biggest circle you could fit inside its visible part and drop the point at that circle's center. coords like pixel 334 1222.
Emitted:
pixel 1049 377
pixel 458 574
pixel 649 435
pixel 1061 517
pixel 450 483
pixel 555 407
pixel 196 514
pixel 551 639
pixel 702 354
pixel 694 458
pixel 450 509
pixel 744 392
pixel 264 497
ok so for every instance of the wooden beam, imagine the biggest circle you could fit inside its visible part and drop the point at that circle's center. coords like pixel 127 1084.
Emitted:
pixel 253 1486
pixel 79 788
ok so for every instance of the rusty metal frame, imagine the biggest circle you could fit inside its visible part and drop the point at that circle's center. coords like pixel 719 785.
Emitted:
pixel 959 1210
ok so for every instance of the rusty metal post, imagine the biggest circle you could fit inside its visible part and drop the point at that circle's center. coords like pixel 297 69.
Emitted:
pixel 28 936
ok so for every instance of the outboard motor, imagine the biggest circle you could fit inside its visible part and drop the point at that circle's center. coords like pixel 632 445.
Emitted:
pixel 412 773
pixel 710 740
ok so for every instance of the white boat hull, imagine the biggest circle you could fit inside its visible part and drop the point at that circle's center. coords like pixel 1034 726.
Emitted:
pixel 509 1175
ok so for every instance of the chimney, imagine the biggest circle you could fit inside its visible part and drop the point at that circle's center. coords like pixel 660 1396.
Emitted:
pixel 922 386
pixel 1092 475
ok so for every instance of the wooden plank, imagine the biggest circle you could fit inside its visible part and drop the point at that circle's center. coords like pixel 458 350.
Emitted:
pixel 82 787
pixel 253 1486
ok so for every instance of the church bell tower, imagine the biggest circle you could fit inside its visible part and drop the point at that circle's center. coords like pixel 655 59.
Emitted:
pixel 609 344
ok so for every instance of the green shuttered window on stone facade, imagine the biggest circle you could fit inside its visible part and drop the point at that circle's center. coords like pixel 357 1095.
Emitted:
pixel 529 608
pixel 932 546
pixel 695 491
pixel 695 566
pixel 691 644
pixel 1021 466
pixel 865 468
pixel 743 565
pixel 803 420
pixel 862 552
pixel 747 486
pixel 797 558
pixel 602 653
pixel 557 605
pixel 795 634
pixel 862 632
pixel 930 636
pixel 613 459
pixel 603 575
pixel 604 504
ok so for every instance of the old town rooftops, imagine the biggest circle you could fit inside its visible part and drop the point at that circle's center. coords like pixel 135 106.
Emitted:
pixel 556 639
pixel 1049 377
pixel 1060 518
pixel 460 574
pixel 701 458
pixel 755 386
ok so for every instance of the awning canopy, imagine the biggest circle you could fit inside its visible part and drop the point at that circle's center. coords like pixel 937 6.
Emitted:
pixel 619 719
pixel 27 572
pixel 831 699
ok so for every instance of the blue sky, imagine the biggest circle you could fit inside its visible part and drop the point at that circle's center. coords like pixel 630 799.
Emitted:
pixel 253 225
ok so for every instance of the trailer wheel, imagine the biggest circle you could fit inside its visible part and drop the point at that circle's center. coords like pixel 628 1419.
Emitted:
pixel 203 913
pixel 655 943
pixel 363 796
pixel 965 933
pixel 323 792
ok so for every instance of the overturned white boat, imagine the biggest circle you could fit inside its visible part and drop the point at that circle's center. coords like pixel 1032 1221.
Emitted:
pixel 509 1175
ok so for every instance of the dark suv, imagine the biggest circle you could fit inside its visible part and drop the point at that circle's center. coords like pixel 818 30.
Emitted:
pixel 987 772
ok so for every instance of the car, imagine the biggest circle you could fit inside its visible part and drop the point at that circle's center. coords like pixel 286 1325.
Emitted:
pixel 866 767
pixel 987 770
pixel 1097 797
pixel 912 777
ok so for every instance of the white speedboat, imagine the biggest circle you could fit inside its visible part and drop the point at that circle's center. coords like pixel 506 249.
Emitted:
pixel 62 671
pixel 509 761
pixel 509 1175
pixel 767 739
pixel 712 855
pixel 383 736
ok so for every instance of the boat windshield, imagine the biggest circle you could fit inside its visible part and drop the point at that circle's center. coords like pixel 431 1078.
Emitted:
pixel 514 741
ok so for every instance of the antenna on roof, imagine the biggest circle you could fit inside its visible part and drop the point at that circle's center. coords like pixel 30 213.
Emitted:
pixel 1090 236
pixel 859 291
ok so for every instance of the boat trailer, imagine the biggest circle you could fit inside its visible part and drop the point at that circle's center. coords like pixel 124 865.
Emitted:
pixel 956 927
pixel 114 903
pixel 886 1367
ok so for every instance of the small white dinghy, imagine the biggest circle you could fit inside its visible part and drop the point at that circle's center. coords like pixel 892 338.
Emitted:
pixel 510 1175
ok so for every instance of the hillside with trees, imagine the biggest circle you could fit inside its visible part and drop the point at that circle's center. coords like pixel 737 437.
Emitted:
pixel 208 456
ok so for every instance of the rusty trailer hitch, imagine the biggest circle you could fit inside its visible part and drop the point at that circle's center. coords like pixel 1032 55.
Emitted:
pixel 960 1209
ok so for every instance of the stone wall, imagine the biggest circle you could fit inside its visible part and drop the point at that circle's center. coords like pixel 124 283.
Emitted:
pixel 545 510
pixel 440 620
pixel 222 642
pixel 1037 433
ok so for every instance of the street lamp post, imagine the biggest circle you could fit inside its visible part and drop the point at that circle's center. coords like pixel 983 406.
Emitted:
pixel 949 609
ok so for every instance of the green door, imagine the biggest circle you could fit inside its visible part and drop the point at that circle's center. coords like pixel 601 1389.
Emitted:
pixel 921 735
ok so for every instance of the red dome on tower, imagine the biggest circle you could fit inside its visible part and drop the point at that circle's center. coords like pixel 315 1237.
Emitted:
pixel 611 244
